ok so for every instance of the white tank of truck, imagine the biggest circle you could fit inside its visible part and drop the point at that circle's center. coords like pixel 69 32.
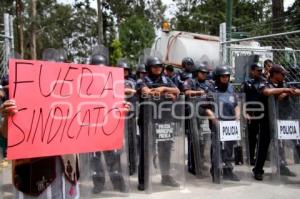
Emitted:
pixel 173 46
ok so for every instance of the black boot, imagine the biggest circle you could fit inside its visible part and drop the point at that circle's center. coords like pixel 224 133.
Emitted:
pixel 168 180
pixel 98 184
pixel 119 183
pixel 229 175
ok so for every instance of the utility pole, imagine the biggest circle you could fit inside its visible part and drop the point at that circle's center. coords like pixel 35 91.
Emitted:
pixel 100 22
pixel 228 26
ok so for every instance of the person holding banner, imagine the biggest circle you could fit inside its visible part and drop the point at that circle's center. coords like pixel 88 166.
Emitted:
pixel 42 178
pixel 275 86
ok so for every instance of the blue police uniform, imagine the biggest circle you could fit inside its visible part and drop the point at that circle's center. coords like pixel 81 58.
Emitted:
pixel 195 85
pixel 227 103
pixel 251 89
pixel 165 147
pixel 265 133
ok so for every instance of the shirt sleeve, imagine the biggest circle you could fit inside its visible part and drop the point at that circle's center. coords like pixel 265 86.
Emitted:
pixel 262 87
pixel 171 83
pixel 140 85
pixel 187 85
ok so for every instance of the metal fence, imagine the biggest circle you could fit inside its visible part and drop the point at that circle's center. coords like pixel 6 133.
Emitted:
pixel 281 48
pixel 6 43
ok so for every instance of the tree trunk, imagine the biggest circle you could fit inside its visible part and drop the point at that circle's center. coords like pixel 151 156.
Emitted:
pixel 100 22
pixel 278 14
pixel 33 30
pixel 277 27
pixel 20 25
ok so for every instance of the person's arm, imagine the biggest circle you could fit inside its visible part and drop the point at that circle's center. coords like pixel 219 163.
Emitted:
pixel 211 116
pixel 192 93
pixel 145 90
pixel 277 91
pixel 166 90
pixel 130 91
pixel 237 111
pixel 297 92
pixel 8 108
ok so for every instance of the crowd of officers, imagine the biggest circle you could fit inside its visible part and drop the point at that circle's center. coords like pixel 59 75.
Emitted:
pixel 153 78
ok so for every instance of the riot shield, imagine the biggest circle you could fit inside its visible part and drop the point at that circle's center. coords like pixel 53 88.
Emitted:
pixel 162 144
pixel 6 186
pixel 285 142
pixel 132 137
pixel 200 136
pixel 229 140
pixel 104 173
pixel 101 50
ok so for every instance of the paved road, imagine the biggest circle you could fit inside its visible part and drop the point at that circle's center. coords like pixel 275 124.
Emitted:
pixel 197 189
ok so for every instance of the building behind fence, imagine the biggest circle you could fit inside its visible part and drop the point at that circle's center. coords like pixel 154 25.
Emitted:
pixel 281 48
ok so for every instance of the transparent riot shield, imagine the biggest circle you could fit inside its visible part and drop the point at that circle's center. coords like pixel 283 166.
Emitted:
pixel 229 140
pixel 200 136
pixel 285 141
pixel 104 174
pixel 101 50
pixel 6 186
pixel 162 144
pixel 132 137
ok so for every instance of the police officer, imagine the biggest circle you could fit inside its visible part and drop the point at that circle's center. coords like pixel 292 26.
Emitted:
pixel 229 109
pixel 267 66
pixel 140 71
pixel 172 75
pixel 196 86
pixel 130 84
pixel 98 59
pixel 188 66
pixel 156 84
pixel 130 92
pixel 275 86
pixel 112 158
pixel 251 89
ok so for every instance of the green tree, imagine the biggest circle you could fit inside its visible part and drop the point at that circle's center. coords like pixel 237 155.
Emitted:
pixel 293 13
pixel 116 51
pixel 205 16
pixel 136 34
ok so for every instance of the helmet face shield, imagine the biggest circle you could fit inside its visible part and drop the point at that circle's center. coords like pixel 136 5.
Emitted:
pixel 98 60
pixel 188 64
pixel 153 62
pixel 123 63
pixel 221 71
